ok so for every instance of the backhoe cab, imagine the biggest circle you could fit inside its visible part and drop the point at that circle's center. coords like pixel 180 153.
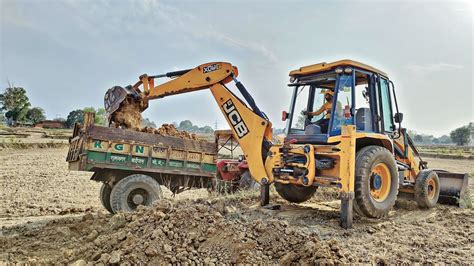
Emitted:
pixel 362 95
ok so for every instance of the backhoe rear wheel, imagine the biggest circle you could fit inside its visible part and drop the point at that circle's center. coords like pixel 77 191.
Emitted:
pixel 295 193
pixel 105 191
pixel 376 181
pixel 427 189
pixel 134 190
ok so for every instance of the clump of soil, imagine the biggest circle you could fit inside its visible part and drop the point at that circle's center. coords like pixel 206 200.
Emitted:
pixel 128 115
pixel 169 130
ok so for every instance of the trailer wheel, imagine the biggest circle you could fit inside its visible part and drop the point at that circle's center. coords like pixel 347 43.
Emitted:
pixel 223 186
pixel 105 191
pixel 427 189
pixel 295 193
pixel 132 191
pixel 246 182
pixel 376 181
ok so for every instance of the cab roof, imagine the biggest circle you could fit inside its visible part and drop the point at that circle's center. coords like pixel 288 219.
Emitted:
pixel 320 67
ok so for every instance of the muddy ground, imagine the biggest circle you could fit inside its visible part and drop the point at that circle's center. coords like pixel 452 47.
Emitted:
pixel 49 214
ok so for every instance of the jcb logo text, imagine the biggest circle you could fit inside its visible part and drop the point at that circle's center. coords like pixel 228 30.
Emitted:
pixel 235 119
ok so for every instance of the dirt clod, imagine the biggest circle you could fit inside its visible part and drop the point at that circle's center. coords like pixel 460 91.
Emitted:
pixel 129 116
pixel 169 130
pixel 115 257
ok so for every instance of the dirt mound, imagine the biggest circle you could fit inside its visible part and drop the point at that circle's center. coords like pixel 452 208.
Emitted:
pixel 169 130
pixel 201 231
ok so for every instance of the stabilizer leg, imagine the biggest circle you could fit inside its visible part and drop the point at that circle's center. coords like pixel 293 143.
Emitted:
pixel 264 195
pixel 346 210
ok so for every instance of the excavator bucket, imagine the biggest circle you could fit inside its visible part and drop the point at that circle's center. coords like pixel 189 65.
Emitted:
pixel 113 98
pixel 453 188
pixel 125 101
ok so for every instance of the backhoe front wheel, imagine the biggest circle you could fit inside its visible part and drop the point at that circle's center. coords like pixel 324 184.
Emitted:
pixel 427 189
pixel 295 193
pixel 376 181
pixel 132 191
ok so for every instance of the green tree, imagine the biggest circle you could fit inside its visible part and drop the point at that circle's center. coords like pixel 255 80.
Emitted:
pixel 16 104
pixel 148 123
pixel 418 138
pixel 100 115
pixel 76 116
pixel 206 130
pixel 186 125
pixel 2 117
pixel 460 136
pixel 444 139
pixel 35 115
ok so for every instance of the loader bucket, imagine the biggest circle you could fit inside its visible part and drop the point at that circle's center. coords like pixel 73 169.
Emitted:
pixel 453 188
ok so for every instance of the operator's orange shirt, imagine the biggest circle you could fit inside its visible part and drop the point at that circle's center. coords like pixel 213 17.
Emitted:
pixel 326 107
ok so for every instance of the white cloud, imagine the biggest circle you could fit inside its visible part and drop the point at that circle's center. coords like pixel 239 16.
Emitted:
pixel 435 67
pixel 104 19
pixel 258 48
pixel 152 15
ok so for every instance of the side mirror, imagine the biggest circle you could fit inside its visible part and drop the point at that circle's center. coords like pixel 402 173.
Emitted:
pixel 398 117
pixel 284 115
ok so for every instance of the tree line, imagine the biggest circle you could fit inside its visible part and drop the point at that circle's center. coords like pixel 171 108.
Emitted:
pixel 460 136
pixel 15 109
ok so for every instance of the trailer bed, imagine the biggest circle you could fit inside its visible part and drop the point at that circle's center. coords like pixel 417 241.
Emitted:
pixel 95 148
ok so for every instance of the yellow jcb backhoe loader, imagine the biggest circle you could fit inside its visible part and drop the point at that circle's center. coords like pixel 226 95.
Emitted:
pixel 357 144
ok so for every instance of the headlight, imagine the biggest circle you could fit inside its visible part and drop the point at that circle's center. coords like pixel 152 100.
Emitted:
pixel 348 70
pixel 339 70
pixel 292 79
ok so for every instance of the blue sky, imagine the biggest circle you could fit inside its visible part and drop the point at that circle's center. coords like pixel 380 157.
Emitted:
pixel 68 53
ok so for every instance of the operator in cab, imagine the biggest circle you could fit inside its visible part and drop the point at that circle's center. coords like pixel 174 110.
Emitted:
pixel 326 107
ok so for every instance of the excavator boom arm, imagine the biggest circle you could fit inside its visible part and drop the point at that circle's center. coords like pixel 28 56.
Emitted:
pixel 199 78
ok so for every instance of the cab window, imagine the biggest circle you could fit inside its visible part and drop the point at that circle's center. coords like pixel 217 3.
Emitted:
pixel 386 107
pixel 301 104
pixel 342 109
pixel 363 102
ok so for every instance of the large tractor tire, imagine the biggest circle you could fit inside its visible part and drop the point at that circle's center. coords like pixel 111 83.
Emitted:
pixel 356 208
pixel 427 189
pixel 134 190
pixel 105 191
pixel 376 181
pixel 295 193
